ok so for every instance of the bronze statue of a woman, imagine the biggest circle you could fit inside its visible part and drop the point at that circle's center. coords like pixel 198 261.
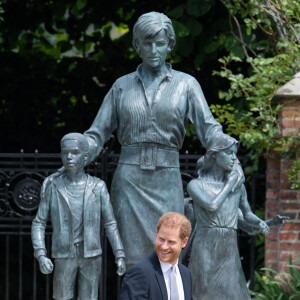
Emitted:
pixel 149 109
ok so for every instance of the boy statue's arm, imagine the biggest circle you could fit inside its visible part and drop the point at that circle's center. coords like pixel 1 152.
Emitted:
pixel 112 231
pixel 38 233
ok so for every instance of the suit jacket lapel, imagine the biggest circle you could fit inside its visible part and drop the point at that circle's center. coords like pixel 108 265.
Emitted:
pixel 160 277
pixel 185 281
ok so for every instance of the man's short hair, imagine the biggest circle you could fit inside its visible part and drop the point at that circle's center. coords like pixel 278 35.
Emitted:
pixel 78 137
pixel 149 24
pixel 174 219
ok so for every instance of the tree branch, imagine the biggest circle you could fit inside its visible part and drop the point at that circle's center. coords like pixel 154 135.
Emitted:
pixel 240 37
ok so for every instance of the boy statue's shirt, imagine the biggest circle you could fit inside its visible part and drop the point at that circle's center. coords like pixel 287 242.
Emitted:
pixel 75 195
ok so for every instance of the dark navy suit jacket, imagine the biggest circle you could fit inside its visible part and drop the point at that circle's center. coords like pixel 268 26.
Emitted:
pixel 145 280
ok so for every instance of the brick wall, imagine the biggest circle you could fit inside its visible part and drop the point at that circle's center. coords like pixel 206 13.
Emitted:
pixel 280 199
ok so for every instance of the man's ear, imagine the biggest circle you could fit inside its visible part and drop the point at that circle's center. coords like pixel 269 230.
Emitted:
pixel 184 242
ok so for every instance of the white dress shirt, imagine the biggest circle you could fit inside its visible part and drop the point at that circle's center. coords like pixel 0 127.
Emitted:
pixel 166 268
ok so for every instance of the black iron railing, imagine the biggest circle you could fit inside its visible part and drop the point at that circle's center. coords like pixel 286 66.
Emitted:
pixel 21 177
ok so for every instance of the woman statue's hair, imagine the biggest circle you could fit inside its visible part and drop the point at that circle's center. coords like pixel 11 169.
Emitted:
pixel 149 24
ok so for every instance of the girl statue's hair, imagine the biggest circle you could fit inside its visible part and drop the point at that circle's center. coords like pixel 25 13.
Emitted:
pixel 219 142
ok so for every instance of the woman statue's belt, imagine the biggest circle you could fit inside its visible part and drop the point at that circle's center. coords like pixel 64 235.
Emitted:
pixel 217 226
pixel 149 156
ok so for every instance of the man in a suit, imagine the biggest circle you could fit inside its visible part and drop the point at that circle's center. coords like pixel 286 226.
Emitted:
pixel 160 276
pixel 76 202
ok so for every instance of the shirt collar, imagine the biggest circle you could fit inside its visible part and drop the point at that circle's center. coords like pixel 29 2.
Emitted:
pixel 165 267
pixel 168 74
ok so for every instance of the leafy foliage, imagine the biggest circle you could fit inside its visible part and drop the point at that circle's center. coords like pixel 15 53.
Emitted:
pixel 289 147
pixel 269 63
pixel 1 12
pixel 274 285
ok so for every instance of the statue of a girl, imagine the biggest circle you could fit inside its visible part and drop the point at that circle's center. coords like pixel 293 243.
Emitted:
pixel 215 262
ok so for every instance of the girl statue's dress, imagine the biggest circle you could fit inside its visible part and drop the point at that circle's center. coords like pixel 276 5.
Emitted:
pixel 215 260
pixel 215 263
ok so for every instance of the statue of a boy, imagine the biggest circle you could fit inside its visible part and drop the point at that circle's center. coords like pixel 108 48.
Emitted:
pixel 76 203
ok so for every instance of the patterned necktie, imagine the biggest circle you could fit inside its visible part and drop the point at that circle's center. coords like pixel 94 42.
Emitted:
pixel 174 295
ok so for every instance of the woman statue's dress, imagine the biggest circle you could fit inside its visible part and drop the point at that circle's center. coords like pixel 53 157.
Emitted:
pixel 147 182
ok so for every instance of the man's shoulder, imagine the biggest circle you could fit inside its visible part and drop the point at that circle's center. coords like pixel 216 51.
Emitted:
pixel 183 267
pixel 148 260
pixel 146 264
pixel 140 281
